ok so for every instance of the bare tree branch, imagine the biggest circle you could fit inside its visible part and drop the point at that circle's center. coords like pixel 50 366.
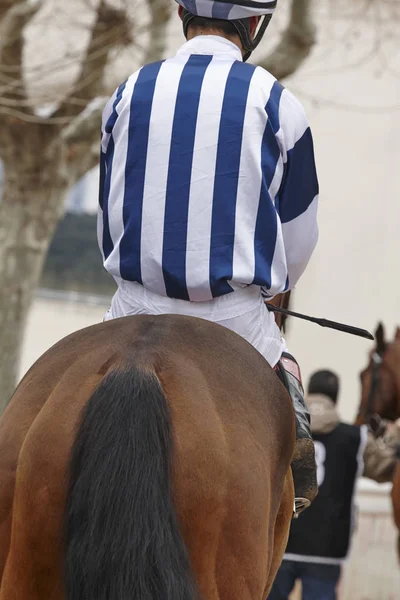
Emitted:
pixel 82 134
pixel 81 140
pixel 295 43
pixel 111 29
pixel 83 126
pixel 5 6
pixel 81 158
pixel 12 25
pixel 160 13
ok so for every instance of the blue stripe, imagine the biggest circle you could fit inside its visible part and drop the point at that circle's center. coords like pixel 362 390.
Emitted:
pixel 221 11
pixel 135 170
pixel 267 220
pixel 106 160
pixel 191 7
pixel 300 183
pixel 102 178
pixel 227 177
pixel 179 176
pixel 287 284
pixel 114 115
pixel 272 107
pixel 272 110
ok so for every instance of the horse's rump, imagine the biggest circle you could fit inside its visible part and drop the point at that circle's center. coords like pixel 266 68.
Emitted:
pixel 119 390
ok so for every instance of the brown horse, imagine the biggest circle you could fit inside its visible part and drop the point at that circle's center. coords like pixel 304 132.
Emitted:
pixel 380 396
pixel 146 458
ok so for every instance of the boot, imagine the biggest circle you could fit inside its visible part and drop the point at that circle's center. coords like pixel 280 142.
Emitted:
pixel 303 464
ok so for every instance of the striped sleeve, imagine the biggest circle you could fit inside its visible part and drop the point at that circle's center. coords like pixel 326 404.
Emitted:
pixel 109 118
pixel 108 121
pixel 105 138
pixel 298 196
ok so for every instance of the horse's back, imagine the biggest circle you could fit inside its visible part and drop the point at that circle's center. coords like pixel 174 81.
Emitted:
pixel 233 437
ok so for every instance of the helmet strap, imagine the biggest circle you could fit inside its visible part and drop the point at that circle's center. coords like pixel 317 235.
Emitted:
pixel 249 44
pixel 186 19
pixel 243 29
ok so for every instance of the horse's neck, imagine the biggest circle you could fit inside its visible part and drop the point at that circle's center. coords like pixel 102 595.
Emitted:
pixel 395 366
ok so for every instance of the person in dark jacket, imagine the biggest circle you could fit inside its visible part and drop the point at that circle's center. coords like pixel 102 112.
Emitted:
pixel 320 538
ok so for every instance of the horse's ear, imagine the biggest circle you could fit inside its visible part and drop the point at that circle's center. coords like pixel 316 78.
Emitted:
pixel 380 339
pixel 397 335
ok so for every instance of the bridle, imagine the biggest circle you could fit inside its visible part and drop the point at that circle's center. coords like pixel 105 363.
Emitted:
pixel 383 364
pixel 376 422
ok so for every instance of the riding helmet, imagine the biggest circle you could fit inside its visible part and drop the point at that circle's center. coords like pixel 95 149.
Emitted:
pixel 235 11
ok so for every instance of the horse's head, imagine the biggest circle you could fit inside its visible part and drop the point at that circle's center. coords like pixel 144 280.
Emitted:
pixel 380 381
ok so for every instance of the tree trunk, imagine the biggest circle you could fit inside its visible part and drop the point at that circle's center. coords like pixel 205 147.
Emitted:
pixel 160 14
pixel 39 164
pixel 29 212
pixel 296 42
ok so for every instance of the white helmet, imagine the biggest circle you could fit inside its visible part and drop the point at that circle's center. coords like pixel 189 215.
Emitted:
pixel 234 11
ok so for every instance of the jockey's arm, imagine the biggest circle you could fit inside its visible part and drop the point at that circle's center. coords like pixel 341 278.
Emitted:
pixel 110 115
pixel 298 196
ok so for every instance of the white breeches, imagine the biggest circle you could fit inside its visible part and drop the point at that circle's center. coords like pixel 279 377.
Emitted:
pixel 242 311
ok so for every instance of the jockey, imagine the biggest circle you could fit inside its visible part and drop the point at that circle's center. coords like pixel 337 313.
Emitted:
pixel 208 191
